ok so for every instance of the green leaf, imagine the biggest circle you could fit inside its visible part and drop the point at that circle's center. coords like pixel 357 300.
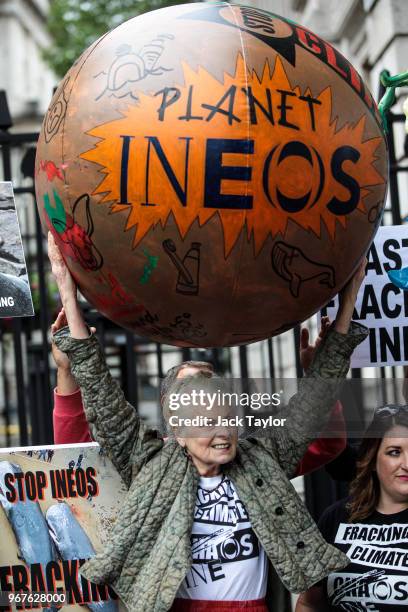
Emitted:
pixel 75 24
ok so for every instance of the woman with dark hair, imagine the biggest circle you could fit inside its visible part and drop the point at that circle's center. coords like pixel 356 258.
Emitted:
pixel 371 526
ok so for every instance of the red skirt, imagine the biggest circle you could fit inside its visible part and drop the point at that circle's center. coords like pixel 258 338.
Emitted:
pixel 198 605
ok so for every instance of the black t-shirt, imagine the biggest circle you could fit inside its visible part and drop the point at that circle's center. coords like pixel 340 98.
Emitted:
pixel 377 577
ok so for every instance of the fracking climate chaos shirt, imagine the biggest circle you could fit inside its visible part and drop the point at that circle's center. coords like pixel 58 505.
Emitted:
pixel 377 577
pixel 229 563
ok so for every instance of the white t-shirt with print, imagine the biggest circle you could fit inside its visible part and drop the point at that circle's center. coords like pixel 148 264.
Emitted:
pixel 229 563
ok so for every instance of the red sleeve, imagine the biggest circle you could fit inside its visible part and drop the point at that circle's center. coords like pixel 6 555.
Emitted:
pixel 323 450
pixel 70 424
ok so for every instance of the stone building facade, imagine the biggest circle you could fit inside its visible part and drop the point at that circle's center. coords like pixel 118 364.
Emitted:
pixel 24 75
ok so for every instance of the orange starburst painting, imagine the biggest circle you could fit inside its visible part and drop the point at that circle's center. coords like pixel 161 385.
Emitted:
pixel 254 149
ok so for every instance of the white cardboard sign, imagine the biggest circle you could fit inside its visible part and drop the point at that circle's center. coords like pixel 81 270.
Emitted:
pixel 382 303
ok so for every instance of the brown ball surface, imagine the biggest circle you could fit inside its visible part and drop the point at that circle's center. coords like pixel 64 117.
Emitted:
pixel 212 173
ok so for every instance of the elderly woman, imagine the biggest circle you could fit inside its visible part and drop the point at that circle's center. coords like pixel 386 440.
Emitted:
pixel 371 525
pixel 205 515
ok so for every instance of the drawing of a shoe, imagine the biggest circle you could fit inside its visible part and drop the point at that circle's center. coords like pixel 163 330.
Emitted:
pixel 292 265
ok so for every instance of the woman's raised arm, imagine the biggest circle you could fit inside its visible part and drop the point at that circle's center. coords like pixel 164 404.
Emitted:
pixel 115 424
pixel 308 410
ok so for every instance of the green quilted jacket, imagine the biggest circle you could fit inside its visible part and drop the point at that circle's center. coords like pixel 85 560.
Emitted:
pixel 149 552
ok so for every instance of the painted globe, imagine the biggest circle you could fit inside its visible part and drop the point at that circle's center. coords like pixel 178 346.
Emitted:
pixel 211 173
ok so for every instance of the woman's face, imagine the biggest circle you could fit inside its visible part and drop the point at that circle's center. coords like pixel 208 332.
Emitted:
pixel 209 454
pixel 212 445
pixel 392 467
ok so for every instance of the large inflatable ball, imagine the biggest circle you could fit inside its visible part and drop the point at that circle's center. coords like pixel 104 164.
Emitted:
pixel 211 173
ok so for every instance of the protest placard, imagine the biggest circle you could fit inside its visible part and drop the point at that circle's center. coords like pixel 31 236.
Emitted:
pixel 15 293
pixel 58 507
pixel 382 303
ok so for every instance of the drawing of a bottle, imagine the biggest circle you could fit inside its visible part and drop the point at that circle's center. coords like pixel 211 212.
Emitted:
pixel 188 267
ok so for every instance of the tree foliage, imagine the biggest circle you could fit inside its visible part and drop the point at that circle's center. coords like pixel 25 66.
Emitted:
pixel 75 24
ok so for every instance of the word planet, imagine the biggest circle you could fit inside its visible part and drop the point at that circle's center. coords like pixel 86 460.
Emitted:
pixel 211 173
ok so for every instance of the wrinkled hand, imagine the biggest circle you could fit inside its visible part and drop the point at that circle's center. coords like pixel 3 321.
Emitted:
pixel 68 291
pixel 65 282
pixel 306 350
pixel 60 358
